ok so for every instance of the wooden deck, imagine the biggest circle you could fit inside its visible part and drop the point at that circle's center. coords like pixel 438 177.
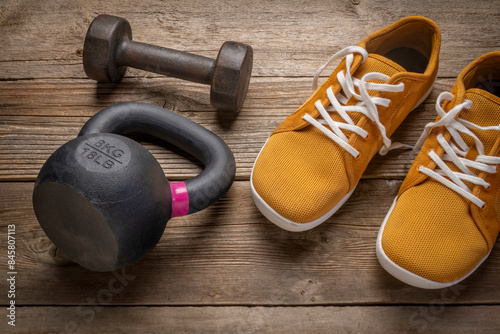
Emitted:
pixel 226 269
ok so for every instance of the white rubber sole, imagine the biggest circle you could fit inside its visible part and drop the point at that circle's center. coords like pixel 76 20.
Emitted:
pixel 287 224
pixel 407 276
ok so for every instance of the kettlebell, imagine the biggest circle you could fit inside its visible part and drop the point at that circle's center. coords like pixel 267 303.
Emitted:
pixel 103 199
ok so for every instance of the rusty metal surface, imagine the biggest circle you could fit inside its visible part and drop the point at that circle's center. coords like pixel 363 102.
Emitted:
pixel 172 63
pixel 231 76
pixel 109 50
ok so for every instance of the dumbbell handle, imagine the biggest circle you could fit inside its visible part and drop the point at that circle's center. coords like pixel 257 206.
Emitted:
pixel 173 63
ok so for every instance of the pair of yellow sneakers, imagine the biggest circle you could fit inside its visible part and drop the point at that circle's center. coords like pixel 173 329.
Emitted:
pixel 446 217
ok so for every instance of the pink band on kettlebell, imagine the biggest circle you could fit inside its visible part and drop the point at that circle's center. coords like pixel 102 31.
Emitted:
pixel 180 199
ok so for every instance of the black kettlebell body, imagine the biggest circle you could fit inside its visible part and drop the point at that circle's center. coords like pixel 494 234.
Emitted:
pixel 104 200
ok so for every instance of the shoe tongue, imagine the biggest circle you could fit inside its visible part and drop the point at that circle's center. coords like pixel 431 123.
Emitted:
pixel 378 63
pixel 485 111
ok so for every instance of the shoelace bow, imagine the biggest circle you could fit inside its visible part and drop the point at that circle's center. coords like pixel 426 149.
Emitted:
pixel 366 105
pixel 456 150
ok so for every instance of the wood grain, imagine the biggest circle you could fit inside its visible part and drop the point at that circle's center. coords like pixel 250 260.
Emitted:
pixel 230 254
pixel 290 38
pixel 239 320
pixel 38 117
pixel 226 269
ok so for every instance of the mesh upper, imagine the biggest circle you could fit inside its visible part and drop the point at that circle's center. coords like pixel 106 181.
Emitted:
pixel 298 177
pixel 484 112
pixel 301 174
pixel 430 231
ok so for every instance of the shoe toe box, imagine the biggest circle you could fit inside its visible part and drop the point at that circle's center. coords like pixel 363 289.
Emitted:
pixel 431 234
pixel 300 175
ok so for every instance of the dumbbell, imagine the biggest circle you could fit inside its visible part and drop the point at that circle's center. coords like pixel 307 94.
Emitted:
pixel 109 49
pixel 103 199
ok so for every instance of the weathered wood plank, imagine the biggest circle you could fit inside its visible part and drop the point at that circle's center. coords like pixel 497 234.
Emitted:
pixel 290 38
pixel 433 317
pixel 259 277
pixel 37 117
pixel 230 254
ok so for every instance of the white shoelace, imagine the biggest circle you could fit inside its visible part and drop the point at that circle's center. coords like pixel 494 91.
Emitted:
pixel 456 151
pixel 366 105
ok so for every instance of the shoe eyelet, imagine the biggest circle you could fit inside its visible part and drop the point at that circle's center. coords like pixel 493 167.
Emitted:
pixel 358 157
pixel 483 207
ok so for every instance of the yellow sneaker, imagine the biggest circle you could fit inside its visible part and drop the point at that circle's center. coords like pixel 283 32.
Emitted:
pixel 312 161
pixel 446 217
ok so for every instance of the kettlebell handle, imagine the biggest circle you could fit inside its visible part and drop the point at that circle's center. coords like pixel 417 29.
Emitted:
pixel 191 195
